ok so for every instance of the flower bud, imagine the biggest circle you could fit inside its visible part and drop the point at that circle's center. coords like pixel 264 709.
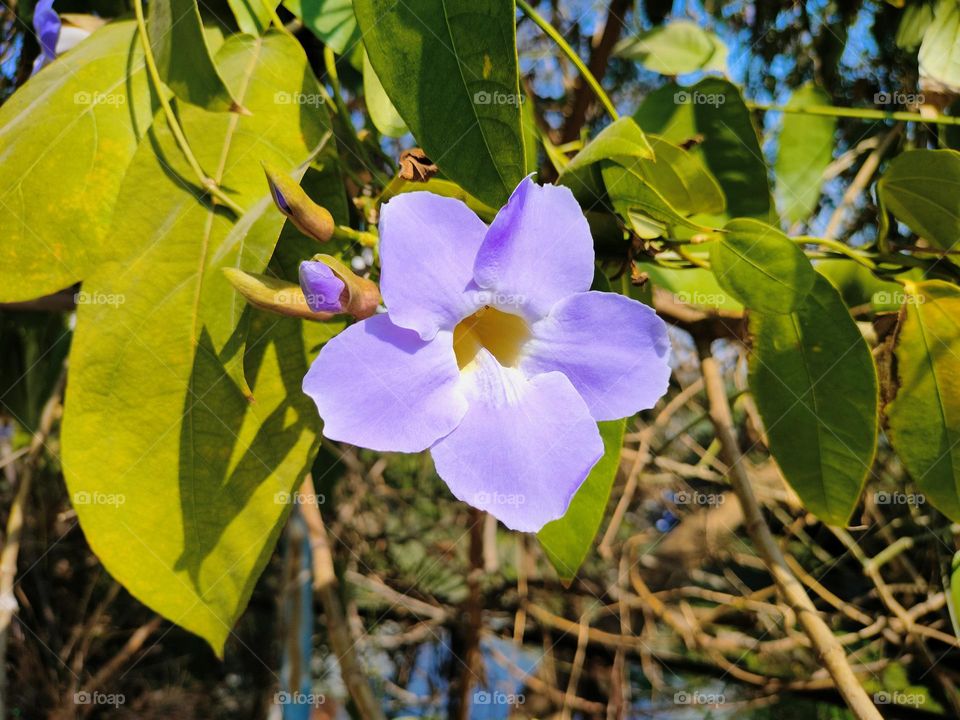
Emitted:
pixel 321 287
pixel 308 217
pixel 274 295
pixel 330 285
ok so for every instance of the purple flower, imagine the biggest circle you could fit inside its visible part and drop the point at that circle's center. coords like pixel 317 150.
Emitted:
pixel 47 25
pixel 493 353
pixel 321 287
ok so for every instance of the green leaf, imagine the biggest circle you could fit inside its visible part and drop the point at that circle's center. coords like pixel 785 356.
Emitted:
pixel 924 417
pixel 815 384
pixel 568 540
pixel 761 267
pixel 253 16
pixel 922 190
pixel 679 47
pixel 913 26
pixel 183 58
pixel 638 203
pixel 79 120
pixel 450 68
pixel 531 135
pixel 332 21
pixel 860 287
pixel 622 140
pixel 382 112
pixel 714 110
pixel 682 179
pixel 175 473
pixel 693 286
pixel 804 150
pixel 939 56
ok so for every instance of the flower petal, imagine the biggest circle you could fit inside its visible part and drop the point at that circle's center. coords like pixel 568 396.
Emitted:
pixel 427 247
pixel 382 387
pixel 46 23
pixel 524 447
pixel 613 349
pixel 537 251
pixel 321 287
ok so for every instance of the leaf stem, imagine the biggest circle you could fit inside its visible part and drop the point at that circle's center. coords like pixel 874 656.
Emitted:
pixel 554 35
pixel 856 113
pixel 837 247
pixel 206 182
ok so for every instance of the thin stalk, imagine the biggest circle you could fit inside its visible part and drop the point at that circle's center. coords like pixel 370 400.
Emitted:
pixel 330 65
pixel 837 247
pixel 206 182
pixel 572 55
pixel 856 113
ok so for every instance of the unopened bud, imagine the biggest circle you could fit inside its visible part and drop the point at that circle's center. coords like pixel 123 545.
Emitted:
pixel 322 277
pixel 308 217
pixel 274 295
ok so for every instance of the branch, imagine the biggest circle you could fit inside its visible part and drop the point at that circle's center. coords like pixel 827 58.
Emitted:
pixel 824 641
pixel 326 585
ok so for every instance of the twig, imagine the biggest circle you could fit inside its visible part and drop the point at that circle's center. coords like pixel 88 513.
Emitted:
pixel 824 641
pixel 861 180
pixel 326 585
pixel 15 521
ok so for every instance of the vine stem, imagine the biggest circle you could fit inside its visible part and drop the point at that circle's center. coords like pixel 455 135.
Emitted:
pixel 823 640
pixel 206 182
pixel 572 55
pixel 856 113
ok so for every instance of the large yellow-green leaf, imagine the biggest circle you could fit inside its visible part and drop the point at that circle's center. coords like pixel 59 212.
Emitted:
pixel 761 267
pixel 924 417
pixel 568 540
pixel 922 190
pixel 679 47
pixel 804 149
pixel 713 111
pixel 450 69
pixel 183 58
pixel 815 384
pixel 177 476
pixel 79 120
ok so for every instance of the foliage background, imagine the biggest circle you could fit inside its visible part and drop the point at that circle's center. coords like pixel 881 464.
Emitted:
pixel 405 553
